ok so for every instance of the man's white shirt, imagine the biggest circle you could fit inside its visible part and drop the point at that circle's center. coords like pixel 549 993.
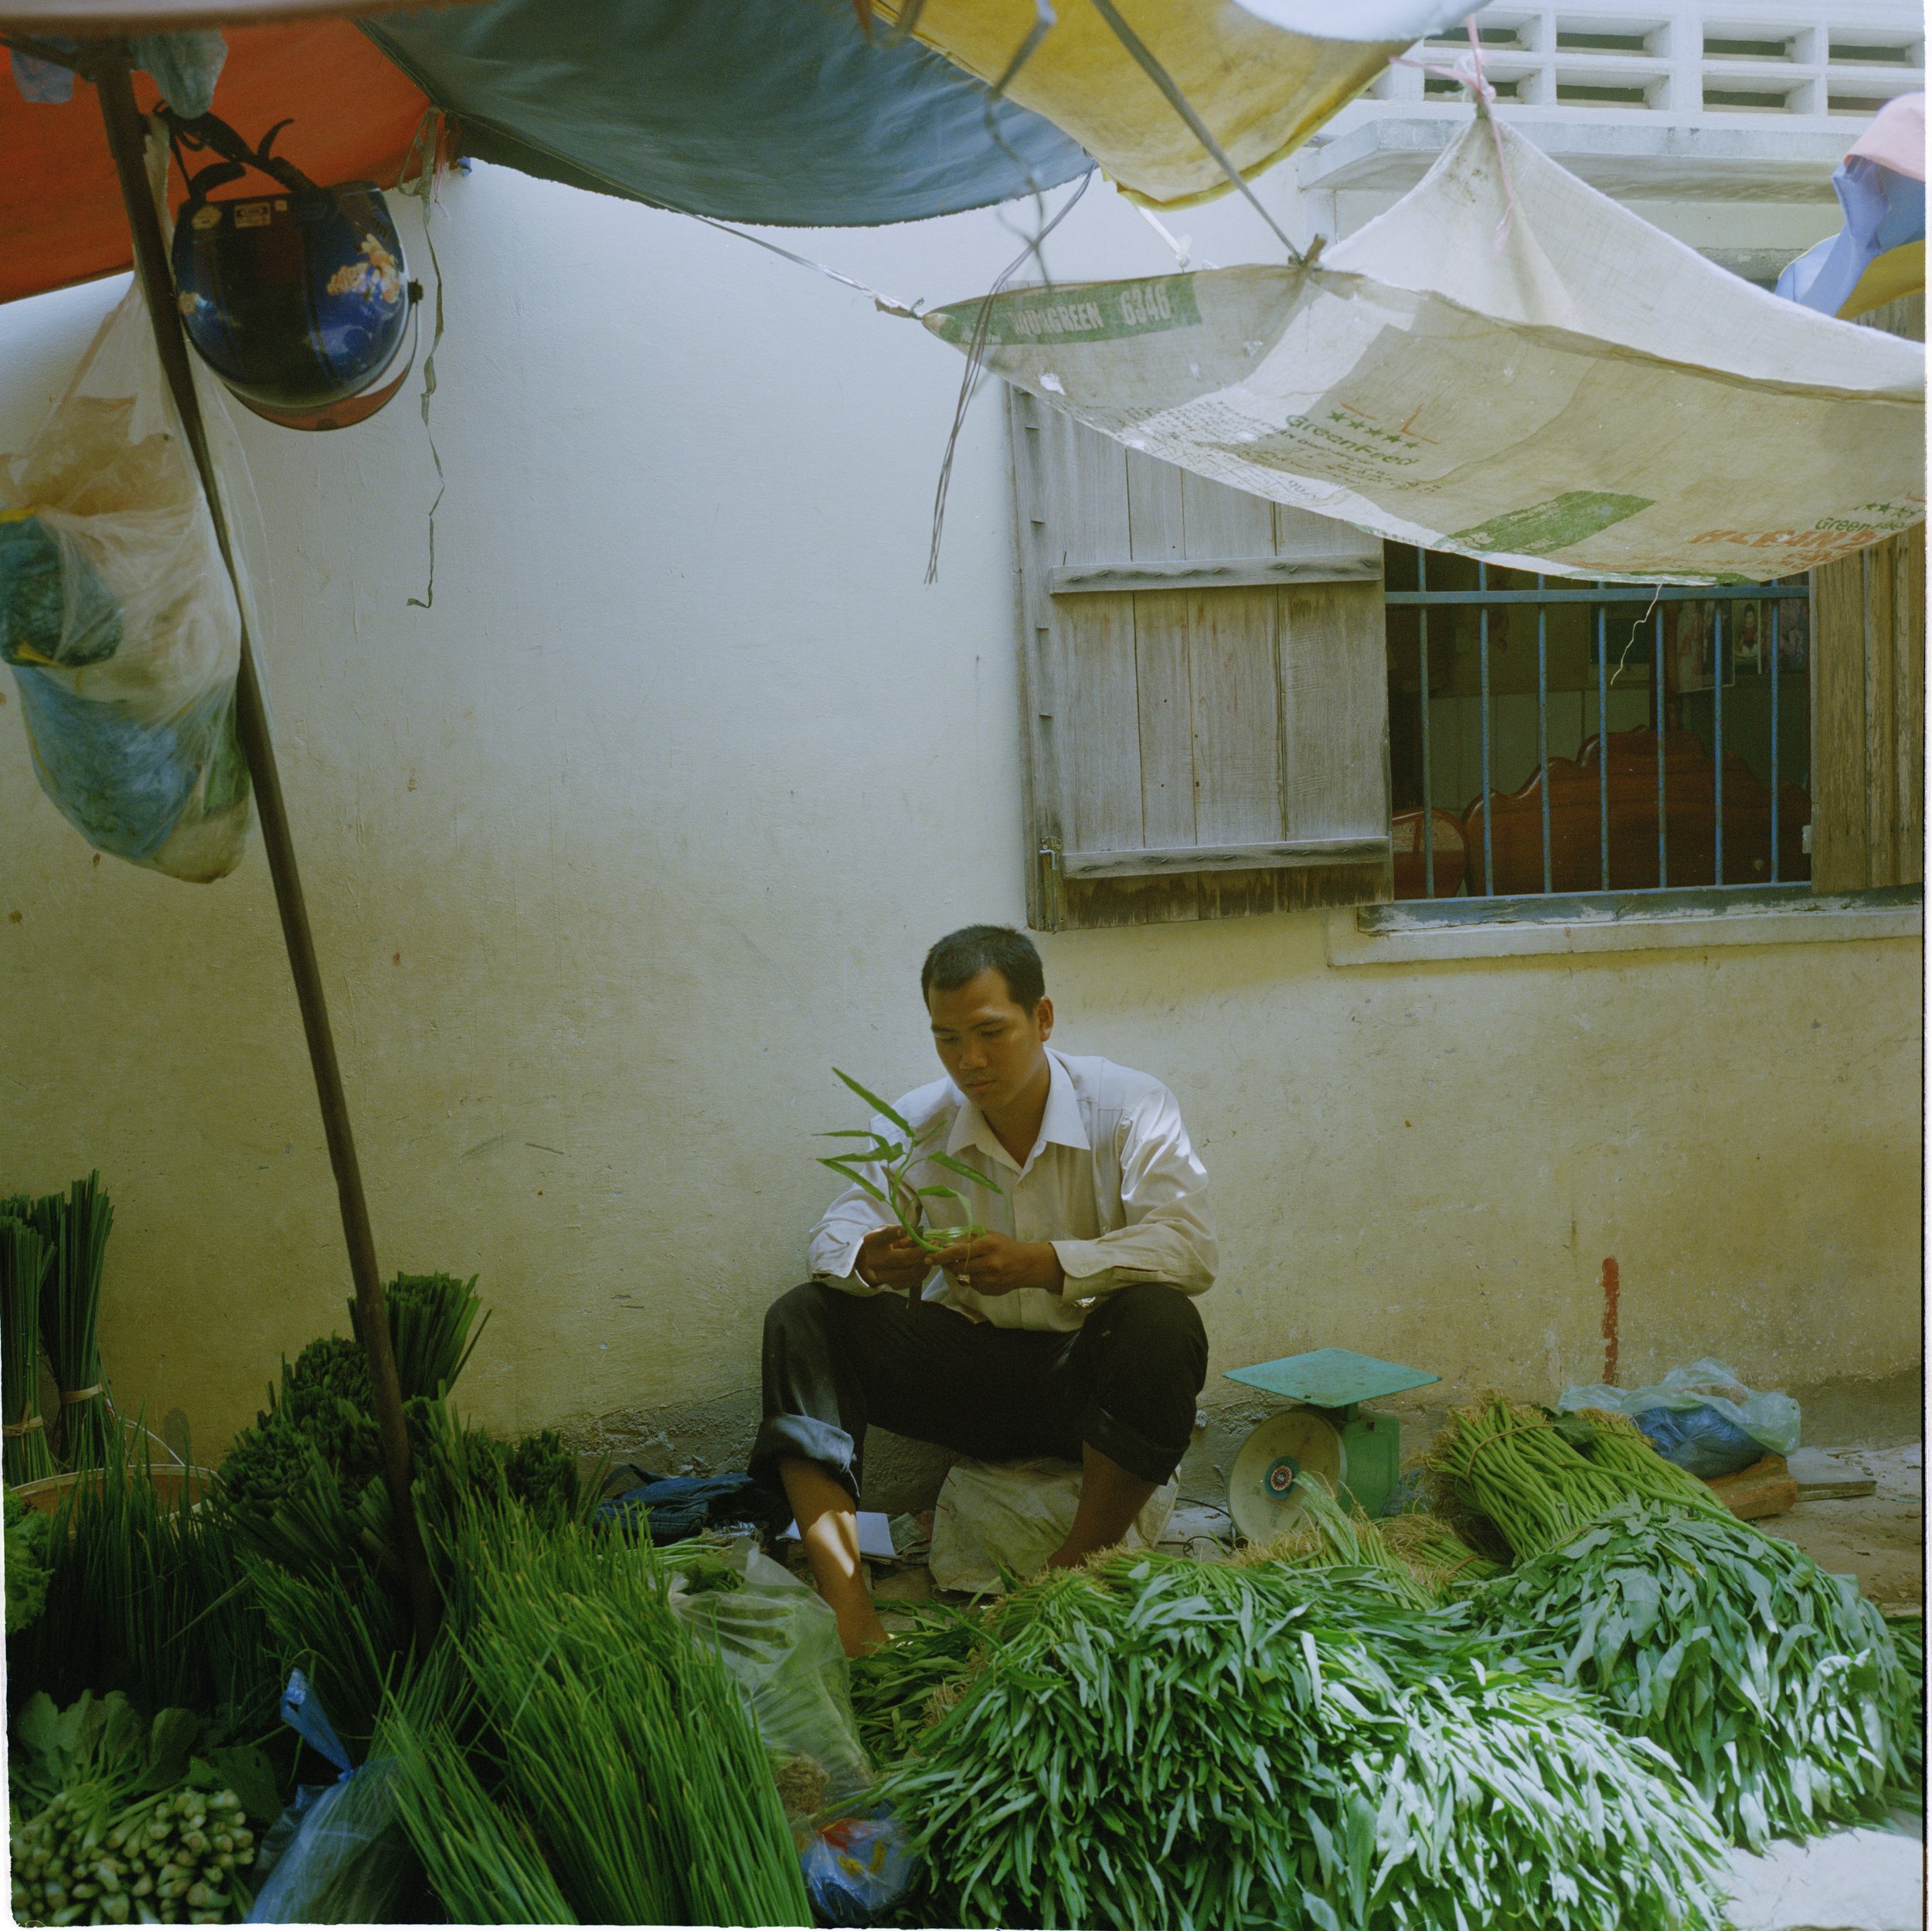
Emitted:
pixel 1112 1182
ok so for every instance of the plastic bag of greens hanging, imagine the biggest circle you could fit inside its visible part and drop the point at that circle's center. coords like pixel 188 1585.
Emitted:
pixel 338 1854
pixel 1701 1417
pixel 780 1641
pixel 118 620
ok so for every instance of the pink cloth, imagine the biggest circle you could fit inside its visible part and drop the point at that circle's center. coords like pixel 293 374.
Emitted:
pixel 1897 138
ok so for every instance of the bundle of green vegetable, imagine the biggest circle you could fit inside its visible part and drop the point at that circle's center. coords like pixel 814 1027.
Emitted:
pixel 116 1820
pixel 1775 1687
pixel 892 1161
pixel 1328 1536
pixel 303 1490
pixel 1436 1554
pixel 899 1692
pixel 1540 1478
pixel 75 1225
pixel 479 1853
pixel 26 1531
pixel 24 1260
pixel 1158 1742
pixel 621 1740
pixel 146 1595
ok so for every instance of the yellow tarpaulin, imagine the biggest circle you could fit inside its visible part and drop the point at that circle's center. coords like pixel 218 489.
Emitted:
pixel 1262 89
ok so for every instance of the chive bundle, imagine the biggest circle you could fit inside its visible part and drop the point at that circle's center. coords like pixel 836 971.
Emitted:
pixel 1155 1742
pixel 24 1260
pixel 1775 1687
pixel 429 1321
pixel 622 1740
pixel 147 1595
pixel 479 1854
pixel 76 1226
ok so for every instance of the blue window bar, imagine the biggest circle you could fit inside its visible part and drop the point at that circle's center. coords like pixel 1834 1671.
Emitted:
pixel 1548 736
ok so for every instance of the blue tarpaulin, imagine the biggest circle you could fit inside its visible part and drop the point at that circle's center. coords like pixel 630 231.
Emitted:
pixel 781 112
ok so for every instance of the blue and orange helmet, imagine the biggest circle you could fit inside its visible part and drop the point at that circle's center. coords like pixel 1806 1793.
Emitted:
pixel 300 300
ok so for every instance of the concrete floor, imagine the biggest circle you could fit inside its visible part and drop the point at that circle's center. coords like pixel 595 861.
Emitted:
pixel 1879 1539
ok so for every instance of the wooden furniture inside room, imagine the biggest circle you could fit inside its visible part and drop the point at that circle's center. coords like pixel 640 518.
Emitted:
pixel 1689 826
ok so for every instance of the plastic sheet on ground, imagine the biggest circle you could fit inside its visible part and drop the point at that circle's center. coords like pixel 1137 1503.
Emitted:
pixel 1507 364
pixel 1866 1880
pixel 999 1518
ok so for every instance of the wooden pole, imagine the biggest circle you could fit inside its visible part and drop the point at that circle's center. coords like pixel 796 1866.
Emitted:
pixel 126 138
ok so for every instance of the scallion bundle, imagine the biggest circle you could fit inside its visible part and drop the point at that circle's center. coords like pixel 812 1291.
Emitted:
pixel 75 1224
pixel 25 1259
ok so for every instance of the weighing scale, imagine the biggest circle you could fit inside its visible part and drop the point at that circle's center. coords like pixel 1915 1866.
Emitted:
pixel 1358 1454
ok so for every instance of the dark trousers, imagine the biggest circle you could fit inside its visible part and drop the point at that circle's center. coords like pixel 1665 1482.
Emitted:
pixel 834 1363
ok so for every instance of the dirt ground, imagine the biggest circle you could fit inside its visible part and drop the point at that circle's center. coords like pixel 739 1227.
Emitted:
pixel 1879 1539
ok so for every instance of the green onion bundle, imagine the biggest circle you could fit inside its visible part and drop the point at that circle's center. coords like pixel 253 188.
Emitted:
pixel 429 1317
pixel 622 1740
pixel 479 1854
pixel 1774 1686
pixel 1155 1742
pixel 76 1226
pixel 24 1260
pixel 147 1595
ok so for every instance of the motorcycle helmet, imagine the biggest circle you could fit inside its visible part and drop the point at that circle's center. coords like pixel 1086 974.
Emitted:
pixel 299 300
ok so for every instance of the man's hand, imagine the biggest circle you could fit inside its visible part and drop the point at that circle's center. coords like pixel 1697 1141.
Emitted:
pixel 996 1264
pixel 890 1257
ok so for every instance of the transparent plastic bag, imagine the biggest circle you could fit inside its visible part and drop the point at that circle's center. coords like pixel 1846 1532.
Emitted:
pixel 118 620
pixel 1701 1417
pixel 341 1854
pixel 780 1641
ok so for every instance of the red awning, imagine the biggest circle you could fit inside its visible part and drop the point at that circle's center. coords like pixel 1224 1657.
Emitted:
pixel 355 115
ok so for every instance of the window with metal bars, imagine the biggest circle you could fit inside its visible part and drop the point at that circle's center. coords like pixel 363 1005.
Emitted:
pixel 1547 736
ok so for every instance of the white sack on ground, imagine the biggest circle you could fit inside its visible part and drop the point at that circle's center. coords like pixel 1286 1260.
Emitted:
pixel 1591 398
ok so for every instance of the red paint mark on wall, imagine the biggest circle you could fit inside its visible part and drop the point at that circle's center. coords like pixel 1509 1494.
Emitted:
pixel 1612 1287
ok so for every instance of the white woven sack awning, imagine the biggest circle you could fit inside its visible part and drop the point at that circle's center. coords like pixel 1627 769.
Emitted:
pixel 1508 364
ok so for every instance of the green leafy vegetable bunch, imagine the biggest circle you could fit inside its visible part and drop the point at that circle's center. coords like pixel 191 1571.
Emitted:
pixel 1156 1742
pixel 881 1168
pixel 26 1533
pixel 1776 1687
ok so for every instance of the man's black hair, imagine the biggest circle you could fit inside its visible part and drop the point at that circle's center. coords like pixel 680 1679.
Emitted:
pixel 974 948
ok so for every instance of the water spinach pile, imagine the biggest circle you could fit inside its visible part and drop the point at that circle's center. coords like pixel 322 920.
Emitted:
pixel 1553 1700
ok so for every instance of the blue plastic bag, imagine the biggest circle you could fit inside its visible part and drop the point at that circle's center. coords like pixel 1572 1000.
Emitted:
pixel 338 1854
pixel 1701 1417
pixel 858 1868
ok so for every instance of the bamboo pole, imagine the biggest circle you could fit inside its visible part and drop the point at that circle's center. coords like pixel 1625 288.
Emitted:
pixel 127 138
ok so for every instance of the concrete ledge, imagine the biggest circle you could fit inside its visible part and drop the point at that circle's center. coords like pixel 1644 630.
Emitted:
pixel 1410 931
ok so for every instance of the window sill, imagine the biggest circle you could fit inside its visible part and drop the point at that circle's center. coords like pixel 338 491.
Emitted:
pixel 1617 921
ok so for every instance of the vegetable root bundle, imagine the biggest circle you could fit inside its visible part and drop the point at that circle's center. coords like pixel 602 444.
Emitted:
pixel 1329 1536
pixel 1158 1742
pixel 1775 1687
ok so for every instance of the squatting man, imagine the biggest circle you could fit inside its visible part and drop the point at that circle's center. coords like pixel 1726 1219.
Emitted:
pixel 1064 1328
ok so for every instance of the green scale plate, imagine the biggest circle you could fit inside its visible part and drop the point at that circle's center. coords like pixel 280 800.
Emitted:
pixel 1332 1377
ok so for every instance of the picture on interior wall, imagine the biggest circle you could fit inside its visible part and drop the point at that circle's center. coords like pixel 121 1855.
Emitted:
pixel 1696 638
pixel 1794 635
pixel 1747 640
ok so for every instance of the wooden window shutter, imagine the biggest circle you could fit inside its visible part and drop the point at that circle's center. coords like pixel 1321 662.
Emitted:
pixel 1868 699
pixel 1205 684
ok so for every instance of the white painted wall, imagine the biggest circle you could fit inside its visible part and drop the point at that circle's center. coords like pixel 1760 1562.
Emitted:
pixel 616 850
